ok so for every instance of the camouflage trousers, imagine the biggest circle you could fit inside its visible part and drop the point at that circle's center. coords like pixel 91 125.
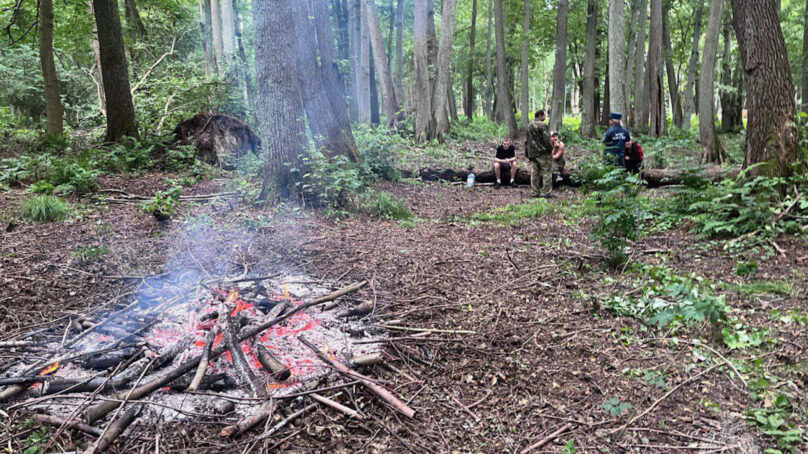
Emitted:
pixel 541 175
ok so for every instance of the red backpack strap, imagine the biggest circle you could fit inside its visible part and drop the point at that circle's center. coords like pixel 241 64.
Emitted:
pixel 639 151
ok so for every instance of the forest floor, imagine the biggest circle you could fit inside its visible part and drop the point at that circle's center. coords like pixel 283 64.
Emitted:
pixel 529 349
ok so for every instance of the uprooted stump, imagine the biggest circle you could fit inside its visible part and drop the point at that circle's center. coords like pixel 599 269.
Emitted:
pixel 219 138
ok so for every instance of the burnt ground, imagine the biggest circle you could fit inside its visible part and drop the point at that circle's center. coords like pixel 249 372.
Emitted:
pixel 526 350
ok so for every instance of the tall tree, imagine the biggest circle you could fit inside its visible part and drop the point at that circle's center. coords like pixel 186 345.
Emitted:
pixel 488 108
pixel 392 113
pixel 363 83
pixel 216 30
pixel 729 93
pixel 442 87
pixel 804 68
pixel 354 31
pixel 120 108
pixel 53 100
pixel 468 105
pixel 589 109
pixel 423 98
pixel 228 30
pixel 631 57
pixel 133 20
pixel 207 36
pixel 524 93
pixel 689 105
pixel 710 146
pixel 639 115
pixel 560 67
pixel 770 135
pixel 99 78
pixel 504 100
pixel 279 107
pixel 673 83
pixel 400 50
pixel 617 62
pixel 653 77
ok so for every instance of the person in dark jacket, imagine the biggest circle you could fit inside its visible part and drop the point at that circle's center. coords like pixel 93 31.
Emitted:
pixel 615 140
pixel 633 156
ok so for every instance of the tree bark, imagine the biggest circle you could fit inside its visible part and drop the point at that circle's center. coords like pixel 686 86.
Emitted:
pixel 133 19
pixel 468 105
pixel 673 84
pixel 654 71
pixel 726 90
pixel 99 78
pixel 589 108
pixel 228 30
pixel 354 27
pixel 504 99
pixel 560 67
pixel 489 72
pixel 53 100
pixel 374 94
pixel 216 30
pixel 392 113
pixel 639 117
pixel 631 57
pixel 804 68
pixel 120 108
pixel 207 37
pixel 363 86
pixel 524 94
pixel 440 107
pixel 400 51
pixel 617 56
pixel 452 104
pixel 604 116
pixel 279 107
pixel 432 44
pixel 689 106
pixel 710 146
pixel 423 98
pixel 770 135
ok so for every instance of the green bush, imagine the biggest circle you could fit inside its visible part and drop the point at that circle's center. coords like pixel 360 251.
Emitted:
pixel 383 205
pixel 479 128
pixel 163 203
pixel 618 213
pixel 44 208
pixel 376 152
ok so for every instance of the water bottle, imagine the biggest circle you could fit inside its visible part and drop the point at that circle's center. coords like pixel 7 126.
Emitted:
pixel 470 180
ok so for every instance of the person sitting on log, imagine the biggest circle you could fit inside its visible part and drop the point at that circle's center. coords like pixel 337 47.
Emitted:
pixel 558 156
pixel 633 156
pixel 505 161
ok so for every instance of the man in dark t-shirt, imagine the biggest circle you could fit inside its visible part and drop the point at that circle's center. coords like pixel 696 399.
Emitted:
pixel 505 161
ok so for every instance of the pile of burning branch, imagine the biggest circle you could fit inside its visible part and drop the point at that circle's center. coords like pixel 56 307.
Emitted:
pixel 235 351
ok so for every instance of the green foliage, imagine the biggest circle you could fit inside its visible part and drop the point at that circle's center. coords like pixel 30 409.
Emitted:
pixel 376 153
pixel 763 288
pixel 330 181
pixel 569 447
pixel 383 205
pixel 89 254
pixel 163 203
pixel 43 208
pixel 773 421
pixel 512 213
pixel 614 407
pixel 738 337
pixel 744 269
pixel 479 128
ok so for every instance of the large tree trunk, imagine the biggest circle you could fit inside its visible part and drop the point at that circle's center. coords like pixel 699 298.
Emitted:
pixel 133 20
pixel 216 30
pixel 432 44
pixel 468 105
pixel 710 146
pixel 617 56
pixel 452 104
pixel 654 71
pixel 400 51
pixel 673 84
pixel 53 100
pixel 604 116
pixel 728 93
pixel 770 135
pixel 524 93
pixel 228 30
pixel 804 81
pixel 207 36
pixel 423 98
pixel 639 118
pixel 120 108
pixel 439 107
pixel 354 32
pixel 632 55
pixel 392 113
pixel 363 85
pixel 332 78
pixel 279 107
pixel 488 108
pixel 560 67
pixel 374 94
pixel 503 94
pixel 589 109
pixel 689 106
pixel 99 78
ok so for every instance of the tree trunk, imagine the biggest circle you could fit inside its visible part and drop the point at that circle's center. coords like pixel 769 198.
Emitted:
pixel 632 56
pixel 689 106
pixel 673 84
pixel 524 94
pixel 604 117
pixel 560 66
pixel 133 19
pixel 423 98
pixel 53 100
pixel 354 32
pixel 432 44
pixel 332 78
pixel 639 118
pixel 216 30
pixel 390 29
pixel 489 72
pixel 279 107
pixel 228 31
pixel 392 113
pixel 468 105
pixel 207 37
pixel 589 108
pixel 363 86
pixel 400 51
pixel 99 78
pixel 617 62
pixel 654 71
pixel 374 94
pixel 503 94
pixel 440 100
pixel 710 146
pixel 726 89
pixel 452 99
pixel 770 135
pixel 120 108
pixel 243 72
pixel 804 97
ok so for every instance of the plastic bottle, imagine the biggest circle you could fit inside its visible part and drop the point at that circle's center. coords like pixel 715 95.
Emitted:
pixel 470 180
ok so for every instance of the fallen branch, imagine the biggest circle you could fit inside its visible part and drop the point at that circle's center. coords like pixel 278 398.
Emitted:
pixel 428 330
pixel 15 344
pixel 336 406
pixel 271 364
pixel 243 372
pixel 547 439
pixel 203 362
pixel 70 424
pixel 264 411
pixel 114 429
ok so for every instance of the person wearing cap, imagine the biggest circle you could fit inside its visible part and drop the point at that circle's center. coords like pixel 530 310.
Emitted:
pixel 539 153
pixel 615 140
pixel 558 156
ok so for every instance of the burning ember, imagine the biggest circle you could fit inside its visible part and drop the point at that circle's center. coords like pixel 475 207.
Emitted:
pixel 50 369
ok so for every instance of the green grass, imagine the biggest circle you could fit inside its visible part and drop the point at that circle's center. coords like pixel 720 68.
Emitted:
pixel 763 288
pixel 515 212
pixel 44 208
pixel 383 205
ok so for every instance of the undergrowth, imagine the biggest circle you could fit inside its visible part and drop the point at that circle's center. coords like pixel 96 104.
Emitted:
pixel 43 208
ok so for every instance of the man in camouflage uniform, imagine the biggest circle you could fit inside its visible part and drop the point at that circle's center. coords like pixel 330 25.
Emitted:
pixel 539 153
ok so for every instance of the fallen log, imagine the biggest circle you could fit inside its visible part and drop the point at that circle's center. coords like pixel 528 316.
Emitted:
pixel 245 424
pixel 654 177
pixel 112 431
pixel 203 362
pixel 243 372
pixel 370 359
pixel 214 382
pixel 271 364
pixel 70 424
pixel 336 405
pixel 15 344
pixel 382 393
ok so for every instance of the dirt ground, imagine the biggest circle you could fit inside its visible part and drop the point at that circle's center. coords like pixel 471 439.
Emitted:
pixel 524 353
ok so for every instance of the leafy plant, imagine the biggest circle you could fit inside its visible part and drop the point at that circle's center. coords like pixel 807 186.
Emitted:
pixel 384 206
pixel 163 203
pixel 773 421
pixel 515 212
pixel 44 208
pixel 738 337
pixel 744 269
pixel 90 253
pixel 614 407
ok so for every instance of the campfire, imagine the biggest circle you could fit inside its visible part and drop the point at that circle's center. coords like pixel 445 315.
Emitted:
pixel 235 349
